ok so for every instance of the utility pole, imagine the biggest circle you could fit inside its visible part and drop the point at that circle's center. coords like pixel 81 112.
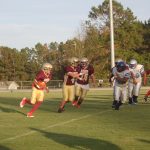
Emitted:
pixel 112 34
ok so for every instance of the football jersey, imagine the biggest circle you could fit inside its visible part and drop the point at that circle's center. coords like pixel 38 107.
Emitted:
pixel 123 74
pixel 41 76
pixel 137 72
pixel 69 80
pixel 114 70
pixel 85 73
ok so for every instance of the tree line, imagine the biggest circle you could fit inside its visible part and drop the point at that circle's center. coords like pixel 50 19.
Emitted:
pixel 131 36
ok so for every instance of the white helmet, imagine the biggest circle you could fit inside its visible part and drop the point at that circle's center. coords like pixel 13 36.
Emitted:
pixel 76 60
pixel 73 60
pixel 133 63
pixel 84 62
pixel 47 66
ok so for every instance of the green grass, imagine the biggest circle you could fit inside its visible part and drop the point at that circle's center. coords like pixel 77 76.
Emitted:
pixel 95 126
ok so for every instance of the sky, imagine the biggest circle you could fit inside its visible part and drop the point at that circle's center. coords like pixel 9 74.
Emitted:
pixel 24 23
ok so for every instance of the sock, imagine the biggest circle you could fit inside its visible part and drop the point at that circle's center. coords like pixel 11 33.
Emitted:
pixel 35 107
pixel 62 104
pixel 28 101
pixel 76 98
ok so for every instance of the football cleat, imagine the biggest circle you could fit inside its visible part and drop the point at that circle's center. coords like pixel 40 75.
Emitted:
pixel 78 106
pixel 117 106
pixel 23 102
pixel 60 110
pixel 120 103
pixel 74 103
pixel 29 115
pixel 135 102
pixel 130 101
pixel 145 99
pixel 113 104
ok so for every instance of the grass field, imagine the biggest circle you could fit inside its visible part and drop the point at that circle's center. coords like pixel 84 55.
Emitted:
pixel 95 126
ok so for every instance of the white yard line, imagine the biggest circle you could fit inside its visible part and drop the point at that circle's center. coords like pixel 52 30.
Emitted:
pixel 52 126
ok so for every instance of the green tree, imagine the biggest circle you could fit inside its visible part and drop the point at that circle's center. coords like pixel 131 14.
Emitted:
pixel 126 27
pixel 146 34
pixel 127 32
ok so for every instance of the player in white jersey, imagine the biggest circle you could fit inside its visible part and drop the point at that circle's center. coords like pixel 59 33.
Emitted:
pixel 113 70
pixel 134 85
pixel 111 77
pixel 121 76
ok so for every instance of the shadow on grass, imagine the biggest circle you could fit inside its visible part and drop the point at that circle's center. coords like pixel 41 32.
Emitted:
pixel 79 143
pixel 144 141
pixel 4 148
pixel 52 105
pixel 9 110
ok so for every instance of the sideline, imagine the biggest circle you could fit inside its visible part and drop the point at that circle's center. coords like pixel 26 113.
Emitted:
pixel 59 89
pixel 52 126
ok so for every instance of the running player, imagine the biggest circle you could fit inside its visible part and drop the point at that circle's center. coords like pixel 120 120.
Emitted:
pixel 134 85
pixel 121 77
pixel 38 87
pixel 69 81
pixel 85 71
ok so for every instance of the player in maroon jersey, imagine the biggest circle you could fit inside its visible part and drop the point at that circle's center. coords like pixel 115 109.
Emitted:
pixel 145 80
pixel 69 81
pixel 38 87
pixel 86 71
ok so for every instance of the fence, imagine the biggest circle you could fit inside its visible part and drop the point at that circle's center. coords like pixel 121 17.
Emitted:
pixel 53 84
pixel 56 84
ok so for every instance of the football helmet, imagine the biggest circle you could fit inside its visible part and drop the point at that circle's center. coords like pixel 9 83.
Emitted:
pixel 40 85
pixel 73 61
pixel 133 64
pixel 84 62
pixel 118 60
pixel 47 67
pixel 121 66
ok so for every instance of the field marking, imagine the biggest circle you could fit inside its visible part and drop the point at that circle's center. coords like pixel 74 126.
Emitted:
pixel 54 125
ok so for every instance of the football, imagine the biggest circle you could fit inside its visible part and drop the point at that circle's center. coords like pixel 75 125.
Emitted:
pixel 41 85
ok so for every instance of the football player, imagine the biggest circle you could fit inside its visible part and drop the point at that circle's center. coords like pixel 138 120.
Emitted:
pixel 147 72
pixel 134 85
pixel 111 77
pixel 69 81
pixel 85 71
pixel 38 87
pixel 121 77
